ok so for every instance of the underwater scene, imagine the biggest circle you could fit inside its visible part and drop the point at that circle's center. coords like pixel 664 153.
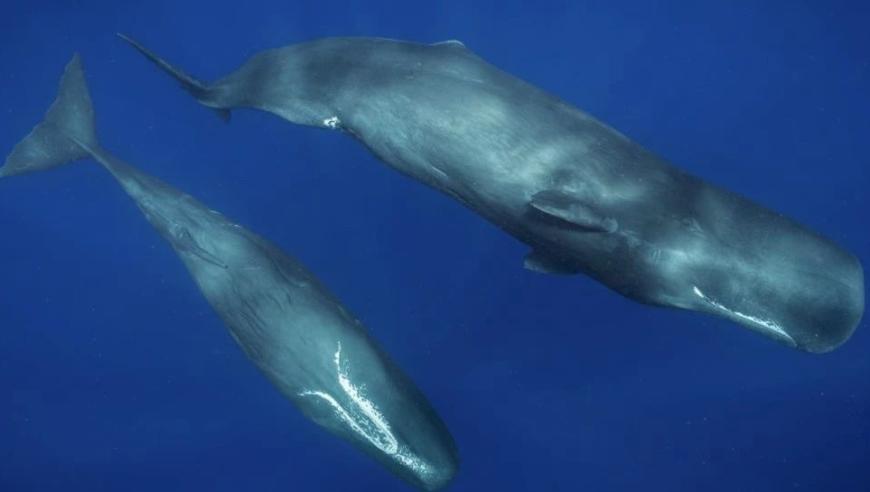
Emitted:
pixel 459 246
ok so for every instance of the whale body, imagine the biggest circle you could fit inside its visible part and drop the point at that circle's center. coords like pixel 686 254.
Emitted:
pixel 298 334
pixel 584 197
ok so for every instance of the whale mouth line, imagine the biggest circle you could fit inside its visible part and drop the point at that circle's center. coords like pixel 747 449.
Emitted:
pixel 762 324
pixel 365 419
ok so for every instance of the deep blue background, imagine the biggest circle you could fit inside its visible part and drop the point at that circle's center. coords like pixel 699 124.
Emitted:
pixel 116 375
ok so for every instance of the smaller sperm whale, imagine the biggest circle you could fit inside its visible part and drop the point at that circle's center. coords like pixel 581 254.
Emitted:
pixel 584 198
pixel 298 334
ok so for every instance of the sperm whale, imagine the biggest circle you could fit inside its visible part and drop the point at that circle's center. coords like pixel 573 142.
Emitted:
pixel 297 333
pixel 584 198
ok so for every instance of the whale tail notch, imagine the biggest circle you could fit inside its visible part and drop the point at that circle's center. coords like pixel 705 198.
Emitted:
pixel 67 132
pixel 197 88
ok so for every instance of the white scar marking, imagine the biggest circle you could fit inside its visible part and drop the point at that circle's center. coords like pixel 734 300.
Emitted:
pixel 332 123
pixel 365 419
pixel 770 325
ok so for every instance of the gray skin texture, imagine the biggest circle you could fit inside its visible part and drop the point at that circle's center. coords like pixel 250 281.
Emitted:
pixel 298 334
pixel 584 197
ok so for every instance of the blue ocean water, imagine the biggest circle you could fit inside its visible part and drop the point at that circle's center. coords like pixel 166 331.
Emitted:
pixel 116 375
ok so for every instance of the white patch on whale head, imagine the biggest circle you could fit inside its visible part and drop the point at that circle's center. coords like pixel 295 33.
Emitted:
pixel 760 322
pixel 332 122
pixel 366 420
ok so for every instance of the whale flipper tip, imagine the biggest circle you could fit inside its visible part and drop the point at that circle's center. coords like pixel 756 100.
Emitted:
pixel 539 262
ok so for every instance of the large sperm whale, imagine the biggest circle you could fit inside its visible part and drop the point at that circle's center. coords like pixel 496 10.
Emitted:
pixel 584 197
pixel 297 333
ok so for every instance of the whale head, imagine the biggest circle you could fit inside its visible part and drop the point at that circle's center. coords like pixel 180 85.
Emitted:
pixel 365 399
pixel 805 309
pixel 739 261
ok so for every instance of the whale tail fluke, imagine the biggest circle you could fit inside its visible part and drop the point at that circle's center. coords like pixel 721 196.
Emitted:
pixel 66 133
pixel 197 88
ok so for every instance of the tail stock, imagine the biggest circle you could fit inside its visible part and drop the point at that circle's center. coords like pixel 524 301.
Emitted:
pixel 196 87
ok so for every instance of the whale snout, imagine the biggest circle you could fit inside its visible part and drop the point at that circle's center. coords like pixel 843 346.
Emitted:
pixel 810 297
pixel 440 473
pixel 837 308
pixel 436 459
